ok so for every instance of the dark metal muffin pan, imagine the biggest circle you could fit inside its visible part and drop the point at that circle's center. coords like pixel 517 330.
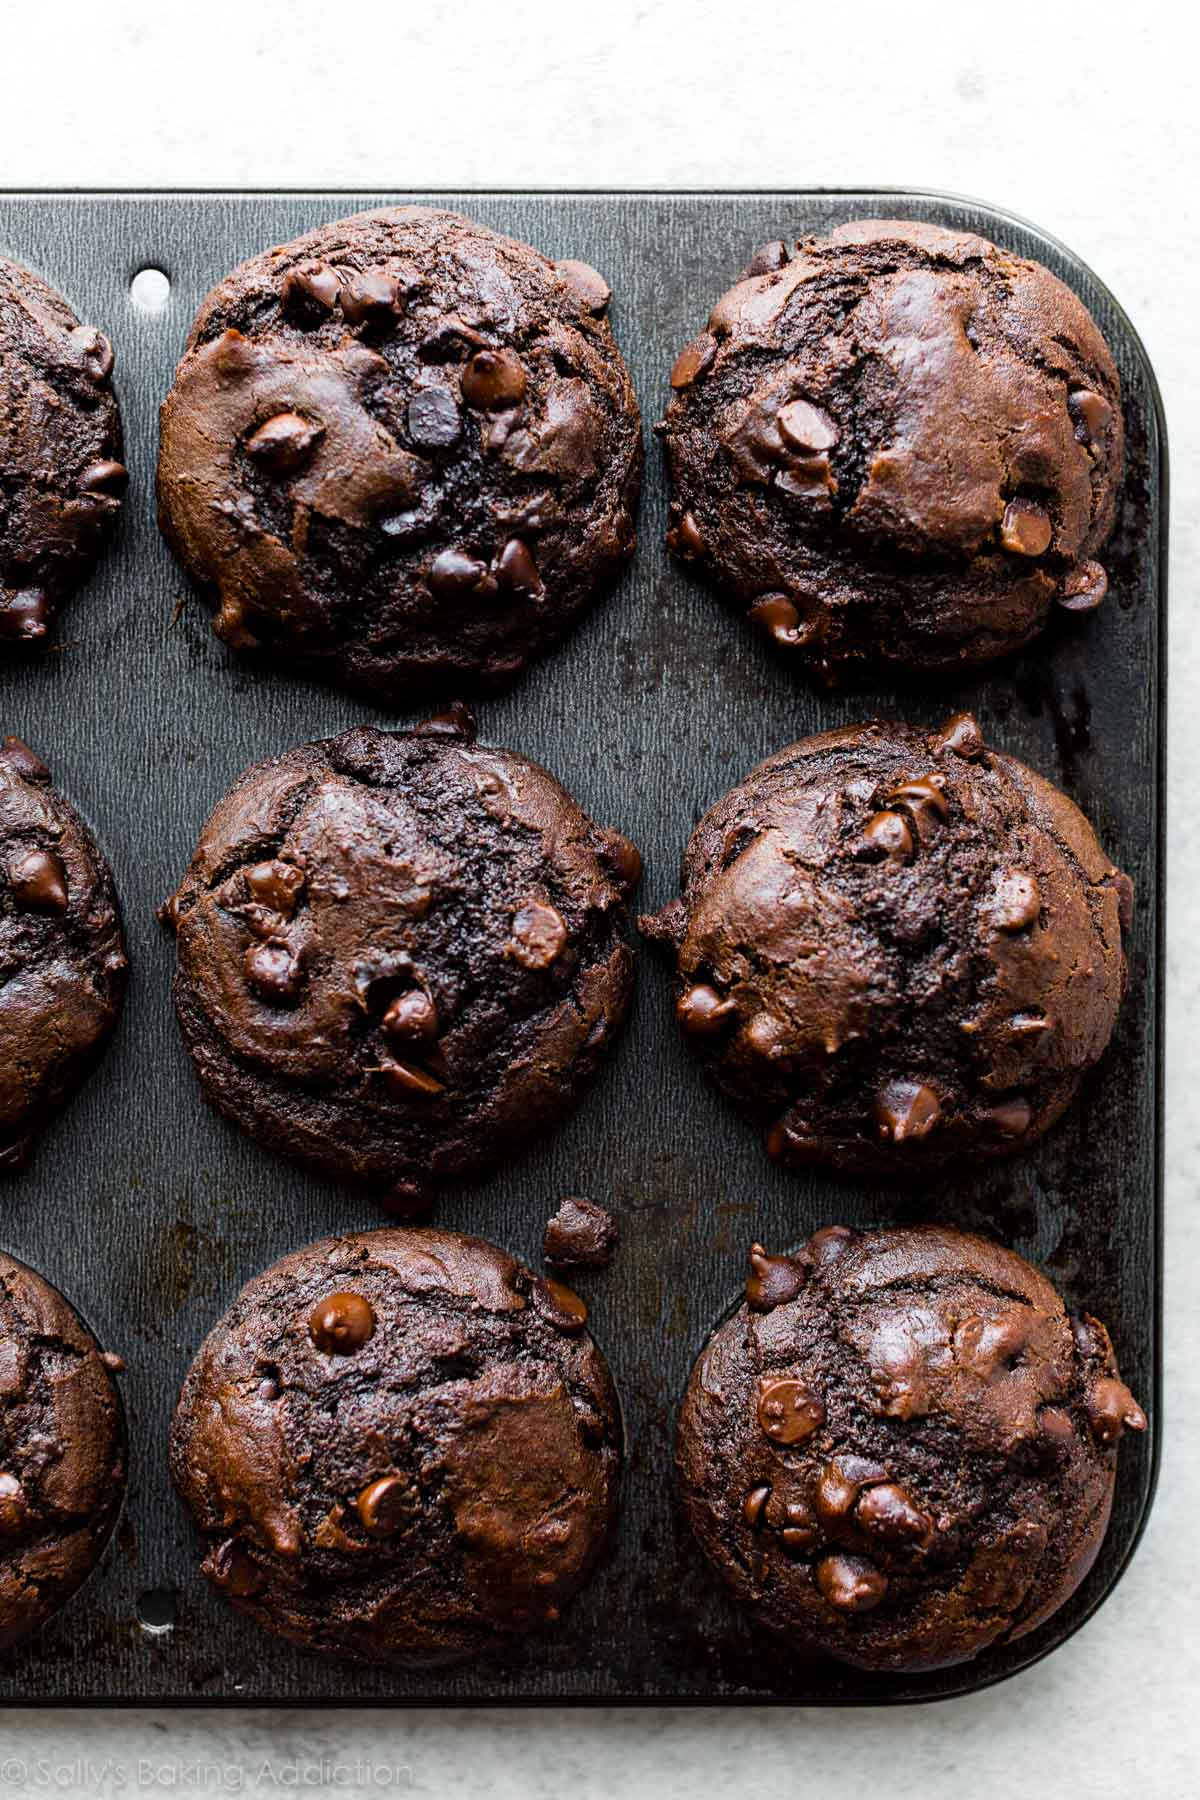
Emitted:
pixel 149 1212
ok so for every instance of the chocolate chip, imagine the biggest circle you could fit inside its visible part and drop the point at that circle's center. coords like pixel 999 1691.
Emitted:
pixel 1111 1409
pixel 560 1304
pixel 787 1412
pixel 1025 529
pixel 230 1568
pixel 766 259
pixel 341 1324
pixel 906 1110
pixel 1125 898
pixel 454 576
pixel 805 427
pixel 886 1511
pixel 780 619
pixel 311 291
pixel 586 285
pixel 373 298
pixel 494 380
pixel 692 361
pixel 384 1505
pixel 799 1532
pixel 623 858
pixel 405 1081
pixel 277 885
pixel 1009 1117
pixel 274 973
pixel 685 539
pixel 25 613
pixel 1029 1024
pixel 703 1012
pixel 285 443
pixel 887 834
pixel 1084 588
pixel 772 1281
pixel 850 1583
pixel 752 1506
pixel 836 1493
pixel 110 478
pixel 961 735
pixel 458 722
pixel 923 799
pixel 14 1508
pixel 1017 901
pixel 516 570
pixel 1091 416
pixel 95 353
pixel 38 882
pixel 412 1018
pixel 434 422
pixel 539 935
pixel 25 761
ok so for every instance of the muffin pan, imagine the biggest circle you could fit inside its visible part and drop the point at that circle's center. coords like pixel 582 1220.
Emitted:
pixel 150 1212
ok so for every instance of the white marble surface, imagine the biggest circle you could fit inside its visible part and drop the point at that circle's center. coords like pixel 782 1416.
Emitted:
pixel 1081 116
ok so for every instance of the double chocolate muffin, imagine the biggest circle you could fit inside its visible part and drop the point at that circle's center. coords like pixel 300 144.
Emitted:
pixel 401 450
pixel 62 1451
pixel 61 477
pixel 898 445
pixel 400 1446
pixel 901 1449
pixel 63 967
pixel 401 956
pixel 897 949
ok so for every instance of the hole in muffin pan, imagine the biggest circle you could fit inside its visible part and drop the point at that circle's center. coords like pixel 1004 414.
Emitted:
pixel 156 1610
pixel 150 290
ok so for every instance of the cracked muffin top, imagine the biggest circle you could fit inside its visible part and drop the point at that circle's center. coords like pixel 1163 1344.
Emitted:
pixel 402 449
pixel 898 445
pixel 61 478
pixel 901 1449
pixel 401 956
pixel 400 1446
pixel 63 966
pixel 62 1451
pixel 896 948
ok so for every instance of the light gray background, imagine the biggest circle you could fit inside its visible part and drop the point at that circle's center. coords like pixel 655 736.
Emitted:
pixel 1083 117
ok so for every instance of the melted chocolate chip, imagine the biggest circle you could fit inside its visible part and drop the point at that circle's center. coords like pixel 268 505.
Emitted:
pixel 539 935
pixel 454 576
pixel 587 286
pixel 516 571
pixel 274 973
pixel 961 735
pixel 850 1583
pixel 412 1018
pixel 384 1506
pixel 772 1281
pixel 494 380
pixel 753 1504
pixel 284 444
pixel 906 1110
pixel 405 1081
pixel 230 1568
pixel 107 478
pixel 787 1412
pixel 806 428
pixel 704 1013
pixel 277 885
pixel 373 298
pixel 38 882
pixel 1016 902
pixel 1025 529
pixel 692 361
pixel 341 1324
pixel 563 1307
pixel 887 834
pixel 1084 588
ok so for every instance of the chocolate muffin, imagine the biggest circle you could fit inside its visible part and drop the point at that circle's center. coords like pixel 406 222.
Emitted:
pixel 401 1446
pixel 901 1449
pixel 897 949
pixel 400 955
pixel 899 445
pixel 60 449
pixel 63 968
pixel 62 1451
pixel 402 450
